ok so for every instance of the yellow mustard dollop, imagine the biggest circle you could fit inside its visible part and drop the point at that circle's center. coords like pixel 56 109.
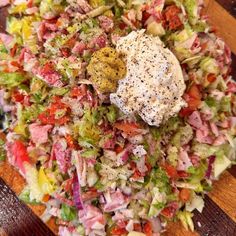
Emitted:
pixel 106 68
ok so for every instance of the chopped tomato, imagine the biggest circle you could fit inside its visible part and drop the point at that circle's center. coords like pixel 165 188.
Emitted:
pixel 147 228
pixel 171 171
pixel 137 227
pixel 131 129
pixel 67 185
pixel 118 149
pixel 78 92
pixel 13 50
pixel 47 68
pixel 193 103
pixel 203 46
pixel 171 16
pixel 17 96
pixel 122 25
pixel 2 136
pixel 193 98
pixel 194 92
pixel 182 174
pixel 20 153
pixel 118 231
pixel 170 210
pixel 136 175
pixel 50 115
pixel 46 198
pixel 90 194
pixel 70 141
pixel 184 194
pixel 211 78
pixel 16 64
pixel 185 111
pixel 70 42
pixel 145 16
pixel 65 52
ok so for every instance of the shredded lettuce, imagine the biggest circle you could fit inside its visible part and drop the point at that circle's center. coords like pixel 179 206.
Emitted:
pixel 25 196
pixel 32 180
pixel 209 65
pixel 11 80
pixel 191 7
pixel 68 213
pixel 186 218
pixel 220 165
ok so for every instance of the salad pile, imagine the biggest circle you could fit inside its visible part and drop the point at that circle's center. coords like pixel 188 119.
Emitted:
pixel 98 171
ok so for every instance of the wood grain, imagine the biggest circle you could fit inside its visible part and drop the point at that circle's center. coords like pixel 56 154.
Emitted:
pixel 224 194
pixel 213 221
pixel 16 218
pixel 224 23
pixel 229 5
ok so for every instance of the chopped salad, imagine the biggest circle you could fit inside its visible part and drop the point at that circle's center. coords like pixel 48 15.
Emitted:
pixel 97 170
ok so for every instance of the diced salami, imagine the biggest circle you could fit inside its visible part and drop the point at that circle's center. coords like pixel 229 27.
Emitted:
pixel 184 161
pixel 195 120
pixel 6 39
pixel 39 133
pixel 115 201
pixel 4 3
pixel 79 48
pixel 92 218
pixel 106 23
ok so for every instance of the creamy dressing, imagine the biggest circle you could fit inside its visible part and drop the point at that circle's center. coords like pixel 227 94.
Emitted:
pixel 154 84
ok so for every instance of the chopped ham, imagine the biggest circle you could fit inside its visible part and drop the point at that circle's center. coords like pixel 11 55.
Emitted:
pixel 50 76
pixel 92 218
pixel 84 6
pixel 39 133
pixel 79 48
pixel 81 168
pixel 184 161
pixel 115 201
pixel 231 87
pixel 202 136
pixel 6 39
pixel 214 129
pixel 219 140
pixel 195 159
pixel 31 10
pixel 195 120
pixel 100 41
pixel 106 23
pixel 4 3
pixel 62 155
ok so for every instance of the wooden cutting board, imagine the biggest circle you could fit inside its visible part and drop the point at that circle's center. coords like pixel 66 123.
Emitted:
pixel 219 215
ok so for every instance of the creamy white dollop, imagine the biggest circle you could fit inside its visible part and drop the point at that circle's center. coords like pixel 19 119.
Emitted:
pixel 154 83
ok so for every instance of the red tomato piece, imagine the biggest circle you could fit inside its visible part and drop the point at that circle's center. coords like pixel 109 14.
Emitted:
pixel 131 129
pixel 184 195
pixel 21 155
pixel 118 231
pixel 171 171
pixel 211 78
pixel 70 141
pixel 17 96
pixel 147 228
pixel 170 210
pixel 182 174
pixel 194 92
pixel 171 16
